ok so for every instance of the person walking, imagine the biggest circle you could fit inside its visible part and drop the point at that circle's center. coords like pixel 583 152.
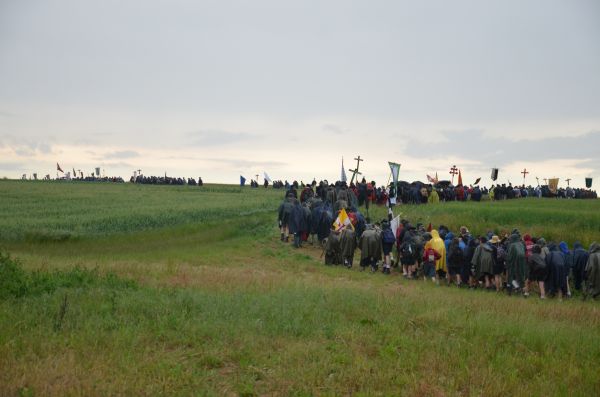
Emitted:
pixel 515 261
pixel 538 270
pixel 592 270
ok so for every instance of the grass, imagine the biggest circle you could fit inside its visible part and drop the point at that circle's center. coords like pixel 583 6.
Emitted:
pixel 221 307
pixel 56 211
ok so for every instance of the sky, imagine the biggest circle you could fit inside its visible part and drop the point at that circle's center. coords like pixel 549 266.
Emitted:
pixel 220 89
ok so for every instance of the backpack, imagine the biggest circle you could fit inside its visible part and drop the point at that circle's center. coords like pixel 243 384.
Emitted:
pixel 408 249
pixel 388 236
pixel 456 254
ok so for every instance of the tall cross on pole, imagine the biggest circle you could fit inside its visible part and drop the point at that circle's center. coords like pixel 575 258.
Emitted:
pixel 546 181
pixel 568 180
pixel 538 180
pixel 355 171
pixel 256 177
pixel 453 171
pixel 524 172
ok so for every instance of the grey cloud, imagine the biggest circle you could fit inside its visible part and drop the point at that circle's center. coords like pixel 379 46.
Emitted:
pixel 12 166
pixel 217 137
pixel 25 148
pixel 193 158
pixel 499 151
pixel 233 163
pixel 336 129
pixel 240 163
pixel 118 164
pixel 593 163
pixel 93 138
pixel 123 154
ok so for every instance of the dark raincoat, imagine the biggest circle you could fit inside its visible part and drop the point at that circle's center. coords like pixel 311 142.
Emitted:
pixel 515 260
pixel 557 278
pixel 592 270
pixel 347 246
pixel 483 260
pixel 370 244
pixel 580 258
pixel 298 223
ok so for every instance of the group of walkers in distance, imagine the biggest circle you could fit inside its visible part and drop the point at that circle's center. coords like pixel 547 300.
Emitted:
pixel 420 193
pixel 276 184
pixel 165 180
pixel 511 262
pixel 92 178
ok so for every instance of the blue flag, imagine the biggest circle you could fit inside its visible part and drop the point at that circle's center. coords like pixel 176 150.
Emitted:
pixel 242 181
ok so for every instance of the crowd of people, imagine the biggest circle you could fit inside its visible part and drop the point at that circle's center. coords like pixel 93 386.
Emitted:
pixel 420 193
pixel 165 180
pixel 92 178
pixel 511 262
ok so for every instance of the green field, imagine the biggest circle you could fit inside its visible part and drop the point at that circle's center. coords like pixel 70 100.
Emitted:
pixel 164 290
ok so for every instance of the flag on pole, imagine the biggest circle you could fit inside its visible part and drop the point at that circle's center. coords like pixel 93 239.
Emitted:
pixel 343 175
pixel 242 181
pixel 553 185
pixel 395 223
pixel 267 177
pixel 342 221
pixel 494 174
pixel 459 178
pixel 58 168
pixel 395 168
pixel 432 179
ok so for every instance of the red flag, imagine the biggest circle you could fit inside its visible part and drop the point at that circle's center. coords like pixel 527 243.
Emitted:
pixel 58 168
pixel 459 178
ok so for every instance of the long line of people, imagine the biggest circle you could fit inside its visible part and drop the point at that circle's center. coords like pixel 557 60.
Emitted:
pixel 165 180
pixel 512 262
pixel 420 193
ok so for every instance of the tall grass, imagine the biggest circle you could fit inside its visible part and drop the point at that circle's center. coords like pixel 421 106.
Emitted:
pixel 297 339
pixel 216 305
pixel 45 211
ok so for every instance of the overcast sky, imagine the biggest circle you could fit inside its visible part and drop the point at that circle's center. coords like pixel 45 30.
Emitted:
pixel 222 88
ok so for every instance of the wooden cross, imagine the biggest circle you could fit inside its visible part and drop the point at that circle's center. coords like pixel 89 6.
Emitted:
pixel 568 180
pixel 524 172
pixel 453 171
pixel 355 171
